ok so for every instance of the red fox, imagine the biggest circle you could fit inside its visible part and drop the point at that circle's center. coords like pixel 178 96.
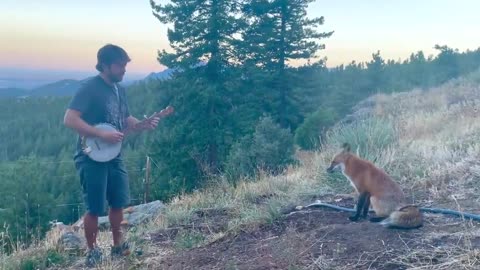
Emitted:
pixel 377 188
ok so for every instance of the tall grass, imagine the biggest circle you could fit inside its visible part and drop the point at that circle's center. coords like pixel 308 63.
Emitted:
pixel 368 138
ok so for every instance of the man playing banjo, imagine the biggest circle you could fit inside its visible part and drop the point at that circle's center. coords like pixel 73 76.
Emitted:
pixel 101 100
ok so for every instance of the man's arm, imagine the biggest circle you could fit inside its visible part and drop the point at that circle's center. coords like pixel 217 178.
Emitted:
pixel 132 122
pixel 73 120
pixel 79 104
pixel 148 125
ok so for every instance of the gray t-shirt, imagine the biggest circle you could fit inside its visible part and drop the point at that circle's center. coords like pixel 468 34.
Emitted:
pixel 100 102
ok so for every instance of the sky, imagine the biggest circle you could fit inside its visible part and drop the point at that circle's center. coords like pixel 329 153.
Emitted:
pixel 65 35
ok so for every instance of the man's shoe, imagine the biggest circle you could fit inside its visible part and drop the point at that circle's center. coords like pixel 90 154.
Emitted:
pixel 121 250
pixel 94 257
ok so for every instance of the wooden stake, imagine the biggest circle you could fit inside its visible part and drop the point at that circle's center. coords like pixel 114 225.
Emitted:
pixel 147 180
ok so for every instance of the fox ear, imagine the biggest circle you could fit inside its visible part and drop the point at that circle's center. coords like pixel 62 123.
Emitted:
pixel 346 147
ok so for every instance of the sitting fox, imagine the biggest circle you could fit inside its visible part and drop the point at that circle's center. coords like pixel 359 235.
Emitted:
pixel 377 188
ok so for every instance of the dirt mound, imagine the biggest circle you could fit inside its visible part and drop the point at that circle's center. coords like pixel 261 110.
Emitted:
pixel 323 239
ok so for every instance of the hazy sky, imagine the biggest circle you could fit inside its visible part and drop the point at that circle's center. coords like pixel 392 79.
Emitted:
pixel 65 35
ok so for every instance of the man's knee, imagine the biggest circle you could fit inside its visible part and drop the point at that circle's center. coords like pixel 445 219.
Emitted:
pixel 91 215
pixel 116 210
pixel 95 209
pixel 115 217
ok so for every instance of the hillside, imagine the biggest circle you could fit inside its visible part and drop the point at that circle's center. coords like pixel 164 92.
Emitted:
pixel 428 140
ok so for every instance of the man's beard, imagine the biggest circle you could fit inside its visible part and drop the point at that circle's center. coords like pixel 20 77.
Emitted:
pixel 115 79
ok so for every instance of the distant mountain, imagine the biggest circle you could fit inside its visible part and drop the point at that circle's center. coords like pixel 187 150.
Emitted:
pixel 12 92
pixel 68 87
pixel 163 75
pixel 21 83
pixel 167 73
pixel 60 88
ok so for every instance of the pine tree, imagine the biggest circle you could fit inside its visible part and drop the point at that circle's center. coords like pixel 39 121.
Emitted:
pixel 203 33
pixel 278 33
pixel 203 39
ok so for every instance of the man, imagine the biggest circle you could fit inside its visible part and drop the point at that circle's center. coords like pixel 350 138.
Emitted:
pixel 101 100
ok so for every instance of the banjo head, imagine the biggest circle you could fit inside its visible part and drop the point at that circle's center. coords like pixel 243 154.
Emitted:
pixel 100 150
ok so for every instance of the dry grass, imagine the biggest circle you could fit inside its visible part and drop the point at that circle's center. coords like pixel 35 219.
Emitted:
pixel 434 252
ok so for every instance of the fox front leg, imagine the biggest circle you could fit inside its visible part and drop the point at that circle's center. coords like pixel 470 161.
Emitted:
pixel 366 206
pixel 360 205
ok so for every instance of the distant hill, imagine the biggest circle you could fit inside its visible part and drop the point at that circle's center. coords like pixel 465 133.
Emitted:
pixel 68 87
pixel 163 75
pixel 60 88
pixel 12 92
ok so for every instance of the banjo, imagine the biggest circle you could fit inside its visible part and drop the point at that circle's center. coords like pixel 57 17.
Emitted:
pixel 103 151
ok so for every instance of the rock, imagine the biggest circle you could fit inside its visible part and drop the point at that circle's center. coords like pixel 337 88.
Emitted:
pixel 70 241
pixel 65 237
pixel 132 216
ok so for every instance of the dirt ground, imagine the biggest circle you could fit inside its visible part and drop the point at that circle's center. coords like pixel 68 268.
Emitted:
pixel 321 239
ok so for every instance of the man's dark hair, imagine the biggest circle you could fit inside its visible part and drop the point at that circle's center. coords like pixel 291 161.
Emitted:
pixel 110 54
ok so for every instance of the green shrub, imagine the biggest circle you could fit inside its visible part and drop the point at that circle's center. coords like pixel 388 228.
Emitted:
pixel 270 149
pixel 308 134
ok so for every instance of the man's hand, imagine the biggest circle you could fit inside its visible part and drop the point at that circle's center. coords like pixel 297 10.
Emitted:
pixel 152 123
pixel 148 123
pixel 111 136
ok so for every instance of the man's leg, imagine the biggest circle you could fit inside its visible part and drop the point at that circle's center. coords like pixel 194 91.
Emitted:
pixel 90 226
pixel 116 216
pixel 93 178
pixel 94 193
pixel 118 195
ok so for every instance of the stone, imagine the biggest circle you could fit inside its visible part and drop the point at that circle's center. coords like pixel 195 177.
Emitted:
pixel 132 216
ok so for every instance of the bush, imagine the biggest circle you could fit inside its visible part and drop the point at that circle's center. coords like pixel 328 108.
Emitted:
pixel 308 134
pixel 270 149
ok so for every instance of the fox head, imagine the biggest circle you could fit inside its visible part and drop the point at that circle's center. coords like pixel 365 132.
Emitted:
pixel 339 159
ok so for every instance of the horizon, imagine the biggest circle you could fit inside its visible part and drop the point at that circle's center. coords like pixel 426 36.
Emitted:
pixel 396 29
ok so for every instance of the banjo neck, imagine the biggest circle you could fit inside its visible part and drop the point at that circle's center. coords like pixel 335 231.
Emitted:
pixel 131 129
pixel 102 151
